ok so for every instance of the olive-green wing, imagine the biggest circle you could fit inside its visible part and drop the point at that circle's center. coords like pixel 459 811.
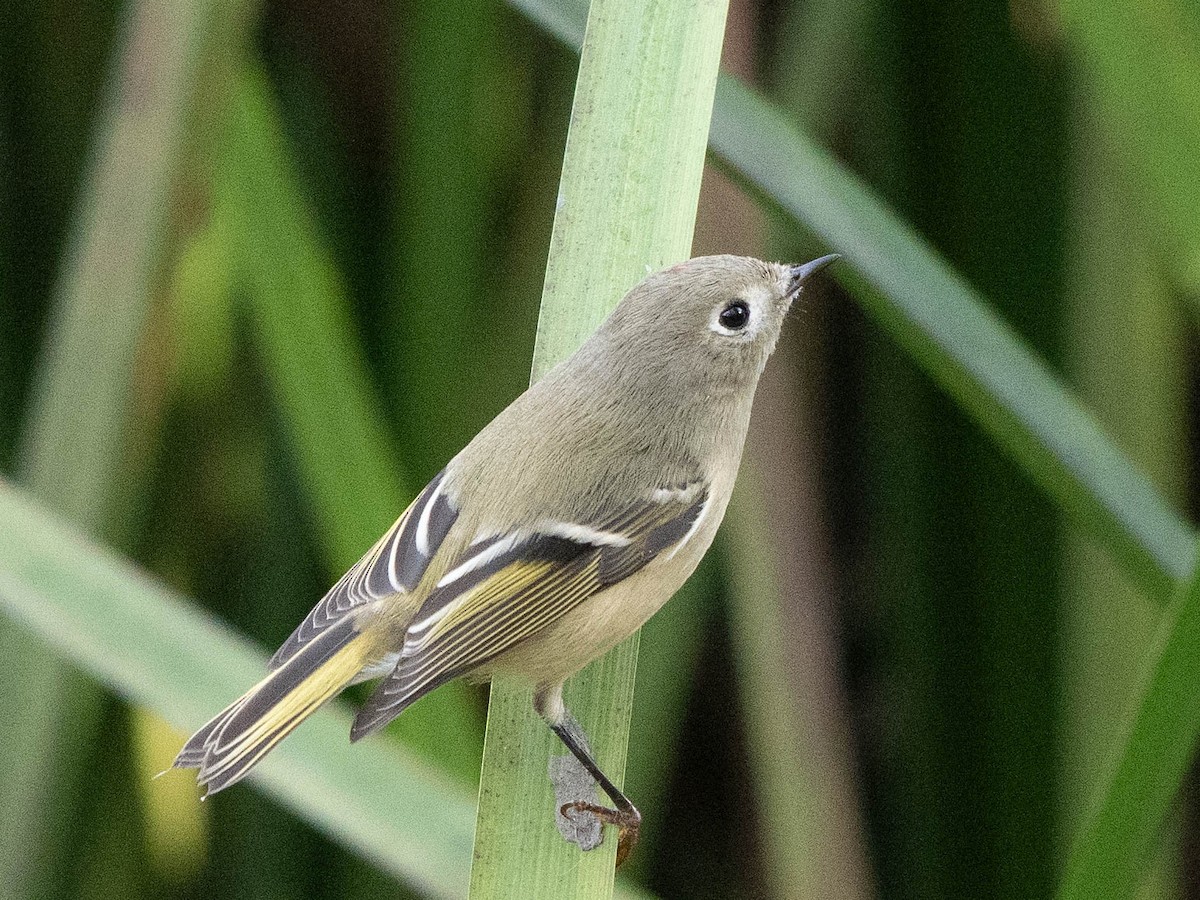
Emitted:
pixel 506 587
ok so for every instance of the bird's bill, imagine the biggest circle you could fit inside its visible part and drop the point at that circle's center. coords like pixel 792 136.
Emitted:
pixel 801 273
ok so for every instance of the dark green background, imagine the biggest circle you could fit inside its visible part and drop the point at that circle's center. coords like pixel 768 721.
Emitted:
pixel 974 634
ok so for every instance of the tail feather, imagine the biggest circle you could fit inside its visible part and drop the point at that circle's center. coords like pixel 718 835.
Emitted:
pixel 194 751
pixel 234 741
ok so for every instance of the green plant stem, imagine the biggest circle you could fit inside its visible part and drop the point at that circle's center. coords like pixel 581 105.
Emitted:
pixel 1117 841
pixel 626 206
pixel 811 833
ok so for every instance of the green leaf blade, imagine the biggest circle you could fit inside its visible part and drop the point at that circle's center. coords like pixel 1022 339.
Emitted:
pixel 959 341
pixel 148 644
pixel 1116 843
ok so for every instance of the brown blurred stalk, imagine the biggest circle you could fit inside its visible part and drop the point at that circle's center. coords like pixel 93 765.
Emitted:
pixel 782 588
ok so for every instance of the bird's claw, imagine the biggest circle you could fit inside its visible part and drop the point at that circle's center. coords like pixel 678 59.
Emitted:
pixel 628 822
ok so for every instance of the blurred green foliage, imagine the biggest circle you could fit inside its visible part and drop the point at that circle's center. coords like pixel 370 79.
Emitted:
pixel 336 286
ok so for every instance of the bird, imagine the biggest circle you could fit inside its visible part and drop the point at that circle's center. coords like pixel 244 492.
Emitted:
pixel 567 522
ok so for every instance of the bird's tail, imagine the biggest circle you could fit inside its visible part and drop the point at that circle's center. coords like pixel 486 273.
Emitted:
pixel 239 736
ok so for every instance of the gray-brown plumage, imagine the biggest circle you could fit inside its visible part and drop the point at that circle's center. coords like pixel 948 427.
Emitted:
pixel 564 525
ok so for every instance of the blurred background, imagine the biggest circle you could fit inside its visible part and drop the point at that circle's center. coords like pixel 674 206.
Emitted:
pixel 318 229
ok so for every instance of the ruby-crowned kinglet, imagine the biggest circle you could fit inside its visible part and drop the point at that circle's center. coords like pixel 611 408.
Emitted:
pixel 561 528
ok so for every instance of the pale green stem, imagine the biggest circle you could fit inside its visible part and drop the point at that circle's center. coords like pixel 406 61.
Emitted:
pixel 626 207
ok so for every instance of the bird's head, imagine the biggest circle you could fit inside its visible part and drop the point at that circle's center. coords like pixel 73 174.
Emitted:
pixel 713 319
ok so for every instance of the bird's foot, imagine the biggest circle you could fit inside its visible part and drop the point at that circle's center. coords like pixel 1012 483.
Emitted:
pixel 628 821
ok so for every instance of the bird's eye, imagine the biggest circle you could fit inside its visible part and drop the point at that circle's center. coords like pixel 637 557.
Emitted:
pixel 735 316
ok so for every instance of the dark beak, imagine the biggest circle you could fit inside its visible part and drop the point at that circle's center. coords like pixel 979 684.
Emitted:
pixel 802 273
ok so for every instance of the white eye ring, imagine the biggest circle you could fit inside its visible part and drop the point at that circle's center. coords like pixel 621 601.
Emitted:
pixel 752 302
pixel 734 317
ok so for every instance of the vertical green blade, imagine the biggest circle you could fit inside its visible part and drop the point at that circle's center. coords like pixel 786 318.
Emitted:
pixel 626 206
